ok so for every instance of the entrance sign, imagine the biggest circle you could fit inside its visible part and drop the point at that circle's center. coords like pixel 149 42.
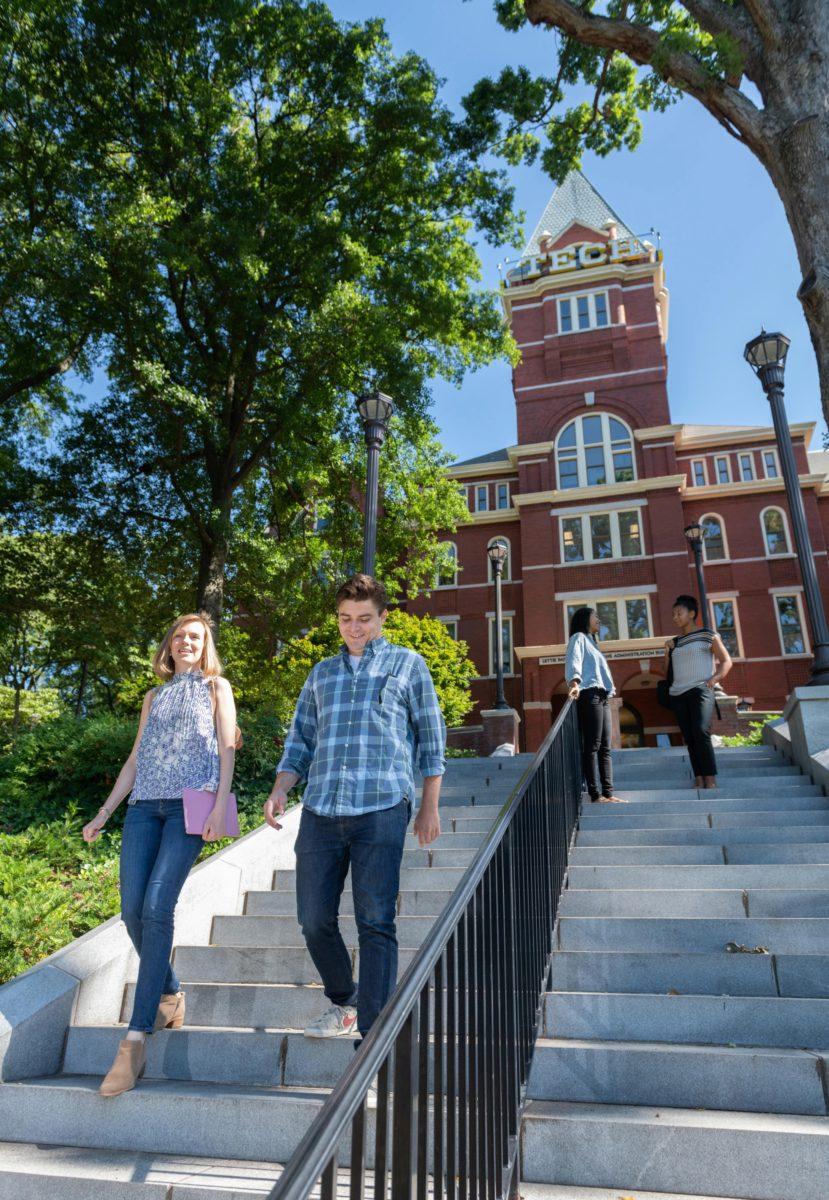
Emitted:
pixel 553 660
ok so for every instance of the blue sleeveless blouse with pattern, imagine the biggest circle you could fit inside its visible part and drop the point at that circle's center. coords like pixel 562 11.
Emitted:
pixel 178 748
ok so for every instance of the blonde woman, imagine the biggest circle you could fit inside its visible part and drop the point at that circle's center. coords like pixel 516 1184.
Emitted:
pixel 186 739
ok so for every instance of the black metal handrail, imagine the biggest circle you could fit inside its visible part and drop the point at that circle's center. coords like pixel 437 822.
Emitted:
pixel 449 1055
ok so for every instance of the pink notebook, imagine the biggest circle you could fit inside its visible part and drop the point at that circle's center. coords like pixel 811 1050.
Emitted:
pixel 198 807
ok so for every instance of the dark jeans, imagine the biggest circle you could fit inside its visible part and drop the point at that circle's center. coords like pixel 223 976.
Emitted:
pixel 594 726
pixel 694 710
pixel 372 845
pixel 156 857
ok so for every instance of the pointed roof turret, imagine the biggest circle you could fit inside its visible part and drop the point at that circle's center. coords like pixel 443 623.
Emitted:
pixel 575 200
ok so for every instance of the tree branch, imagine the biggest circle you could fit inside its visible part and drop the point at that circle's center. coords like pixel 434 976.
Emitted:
pixel 37 378
pixel 734 111
pixel 766 20
pixel 716 18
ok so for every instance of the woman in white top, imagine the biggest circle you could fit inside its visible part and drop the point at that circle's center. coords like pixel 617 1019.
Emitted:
pixel 699 661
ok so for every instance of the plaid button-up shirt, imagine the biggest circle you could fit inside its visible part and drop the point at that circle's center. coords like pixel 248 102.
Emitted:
pixel 357 735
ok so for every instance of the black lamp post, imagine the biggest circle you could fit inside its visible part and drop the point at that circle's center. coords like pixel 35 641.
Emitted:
pixel 376 410
pixel 695 535
pixel 766 355
pixel 497 553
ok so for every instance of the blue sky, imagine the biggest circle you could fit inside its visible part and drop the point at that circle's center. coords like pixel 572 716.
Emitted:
pixel 729 256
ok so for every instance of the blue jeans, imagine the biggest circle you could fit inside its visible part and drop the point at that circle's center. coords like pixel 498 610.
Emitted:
pixel 372 845
pixel 156 857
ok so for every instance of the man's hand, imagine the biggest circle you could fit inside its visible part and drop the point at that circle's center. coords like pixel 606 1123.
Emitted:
pixel 574 690
pixel 426 826
pixel 277 801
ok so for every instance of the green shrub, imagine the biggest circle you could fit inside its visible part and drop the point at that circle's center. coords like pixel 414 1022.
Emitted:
pixel 755 735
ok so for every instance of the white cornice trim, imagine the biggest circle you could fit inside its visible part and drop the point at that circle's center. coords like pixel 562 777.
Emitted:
pixel 605 491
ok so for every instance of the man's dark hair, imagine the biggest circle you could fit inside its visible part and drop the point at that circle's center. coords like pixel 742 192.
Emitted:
pixel 580 621
pixel 688 602
pixel 363 587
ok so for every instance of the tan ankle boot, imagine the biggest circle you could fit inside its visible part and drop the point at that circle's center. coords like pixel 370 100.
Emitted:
pixel 127 1069
pixel 170 1012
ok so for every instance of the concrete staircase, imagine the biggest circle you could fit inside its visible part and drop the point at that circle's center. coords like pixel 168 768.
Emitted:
pixel 685 1045
pixel 227 1098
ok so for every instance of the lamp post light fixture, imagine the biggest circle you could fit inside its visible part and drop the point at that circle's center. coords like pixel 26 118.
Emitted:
pixel 497 554
pixel 695 535
pixel 376 409
pixel 766 355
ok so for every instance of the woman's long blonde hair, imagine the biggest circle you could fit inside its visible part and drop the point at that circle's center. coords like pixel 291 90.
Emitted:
pixel 209 664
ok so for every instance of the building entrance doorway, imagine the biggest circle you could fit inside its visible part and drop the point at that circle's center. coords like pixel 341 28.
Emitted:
pixel 631 728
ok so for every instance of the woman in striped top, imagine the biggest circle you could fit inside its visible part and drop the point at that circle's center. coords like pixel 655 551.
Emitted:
pixel 699 660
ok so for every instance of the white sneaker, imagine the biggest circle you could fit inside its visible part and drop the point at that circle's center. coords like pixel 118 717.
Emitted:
pixel 337 1021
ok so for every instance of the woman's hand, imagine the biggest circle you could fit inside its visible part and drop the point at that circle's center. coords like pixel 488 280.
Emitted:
pixel 574 690
pixel 92 829
pixel 214 826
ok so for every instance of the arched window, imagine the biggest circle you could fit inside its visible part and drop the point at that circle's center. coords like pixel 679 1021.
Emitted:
pixel 775 531
pixel 447 574
pixel 594 450
pixel 506 572
pixel 714 547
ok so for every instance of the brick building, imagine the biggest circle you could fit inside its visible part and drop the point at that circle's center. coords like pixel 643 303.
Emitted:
pixel 593 498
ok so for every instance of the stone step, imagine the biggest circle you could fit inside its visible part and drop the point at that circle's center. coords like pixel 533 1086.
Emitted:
pixel 250 964
pixel 710 1020
pixel 788 794
pixel 689 902
pixel 800 876
pixel 554 1191
pixel 247 1057
pixel 711 974
pixel 160 1115
pixel 246 1005
pixel 694 802
pixel 751 854
pixel 724 831
pixel 284 931
pixel 412 879
pixel 32 1172
pixel 750 1156
pixel 618 816
pixel 728 784
pixel 677 1076
pixel 428 903
pixel 438 856
pixel 806 935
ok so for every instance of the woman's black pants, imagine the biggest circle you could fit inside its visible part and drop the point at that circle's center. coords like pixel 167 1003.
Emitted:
pixel 594 726
pixel 694 710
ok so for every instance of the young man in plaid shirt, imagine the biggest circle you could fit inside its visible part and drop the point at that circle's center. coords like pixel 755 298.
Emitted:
pixel 363 720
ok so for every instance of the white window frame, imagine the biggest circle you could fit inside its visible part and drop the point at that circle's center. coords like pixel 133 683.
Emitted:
pixel 572 299
pixel 498 505
pixel 438 586
pixel 491 645
pixel 774 455
pixel 615 536
pixel 478 506
pixel 716 517
pixel 798 595
pixel 450 621
pixel 506 571
pixel 731 598
pixel 621 612
pixel 749 454
pixel 607 448
pixel 726 458
pixel 786 530
pixel 699 462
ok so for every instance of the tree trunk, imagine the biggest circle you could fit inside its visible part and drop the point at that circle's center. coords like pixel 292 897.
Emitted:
pixel 16 717
pixel 82 687
pixel 799 168
pixel 211 586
